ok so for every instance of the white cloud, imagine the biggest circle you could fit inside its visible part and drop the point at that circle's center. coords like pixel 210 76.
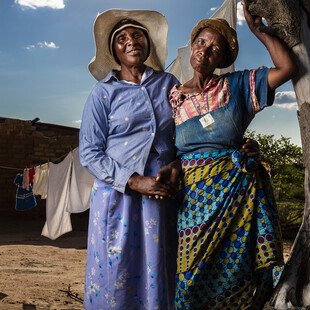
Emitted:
pixel 44 44
pixel 34 4
pixel 213 9
pixel 30 47
pixel 47 45
pixel 76 123
pixel 286 100
pixel 287 96
pixel 240 14
pixel 286 106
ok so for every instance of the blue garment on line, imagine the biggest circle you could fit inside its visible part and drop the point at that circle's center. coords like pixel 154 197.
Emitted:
pixel 25 200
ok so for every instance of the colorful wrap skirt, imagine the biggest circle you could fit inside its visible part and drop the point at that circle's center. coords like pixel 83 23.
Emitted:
pixel 230 245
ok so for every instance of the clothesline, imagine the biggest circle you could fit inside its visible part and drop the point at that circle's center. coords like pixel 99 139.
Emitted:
pixel 21 169
pixel 11 168
pixel 65 185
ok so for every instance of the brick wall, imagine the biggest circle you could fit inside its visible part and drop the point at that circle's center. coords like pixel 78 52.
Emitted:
pixel 23 144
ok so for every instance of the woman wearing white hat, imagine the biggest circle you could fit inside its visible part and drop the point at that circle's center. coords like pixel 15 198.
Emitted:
pixel 126 135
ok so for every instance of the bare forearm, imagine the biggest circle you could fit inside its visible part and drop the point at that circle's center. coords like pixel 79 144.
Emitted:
pixel 282 58
pixel 279 53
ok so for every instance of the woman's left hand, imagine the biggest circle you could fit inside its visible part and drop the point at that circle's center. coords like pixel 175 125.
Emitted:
pixel 170 174
pixel 250 147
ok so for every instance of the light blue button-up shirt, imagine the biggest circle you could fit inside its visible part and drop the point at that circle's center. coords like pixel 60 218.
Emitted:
pixel 121 121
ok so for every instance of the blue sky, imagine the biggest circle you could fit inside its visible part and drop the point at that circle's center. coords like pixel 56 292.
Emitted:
pixel 46 45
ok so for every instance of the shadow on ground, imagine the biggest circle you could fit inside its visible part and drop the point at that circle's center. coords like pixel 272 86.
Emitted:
pixel 26 230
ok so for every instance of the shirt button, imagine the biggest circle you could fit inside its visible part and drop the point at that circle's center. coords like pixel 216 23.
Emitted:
pixel 134 157
pixel 153 134
pixel 143 88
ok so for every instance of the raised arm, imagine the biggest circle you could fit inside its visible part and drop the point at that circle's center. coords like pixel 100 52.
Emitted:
pixel 285 67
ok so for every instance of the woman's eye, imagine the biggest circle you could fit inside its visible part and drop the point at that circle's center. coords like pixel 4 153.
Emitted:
pixel 215 50
pixel 121 39
pixel 137 35
pixel 200 42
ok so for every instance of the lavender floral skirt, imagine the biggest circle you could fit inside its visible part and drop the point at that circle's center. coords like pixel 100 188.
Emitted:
pixel 131 250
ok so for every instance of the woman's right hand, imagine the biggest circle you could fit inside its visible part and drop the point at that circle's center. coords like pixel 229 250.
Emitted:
pixel 250 147
pixel 285 67
pixel 148 186
pixel 254 22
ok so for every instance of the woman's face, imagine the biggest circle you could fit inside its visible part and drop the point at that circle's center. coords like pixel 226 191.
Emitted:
pixel 208 51
pixel 131 46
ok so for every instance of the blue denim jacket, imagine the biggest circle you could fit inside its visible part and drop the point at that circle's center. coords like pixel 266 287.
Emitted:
pixel 122 121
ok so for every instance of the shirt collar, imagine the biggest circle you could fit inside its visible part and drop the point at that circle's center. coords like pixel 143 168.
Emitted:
pixel 112 75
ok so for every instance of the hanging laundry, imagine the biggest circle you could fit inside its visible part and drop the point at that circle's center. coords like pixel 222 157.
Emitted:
pixel 26 179
pixel 31 173
pixel 40 180
pixel 25 200
pixel 58 220
pixel 80 186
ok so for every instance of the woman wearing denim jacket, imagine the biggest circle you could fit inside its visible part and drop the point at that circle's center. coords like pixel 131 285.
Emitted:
pixel 229 244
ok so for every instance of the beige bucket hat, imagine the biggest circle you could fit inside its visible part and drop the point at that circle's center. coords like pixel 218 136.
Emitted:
pixel 156 25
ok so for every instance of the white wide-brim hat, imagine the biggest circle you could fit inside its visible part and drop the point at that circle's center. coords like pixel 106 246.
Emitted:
pixel 156 25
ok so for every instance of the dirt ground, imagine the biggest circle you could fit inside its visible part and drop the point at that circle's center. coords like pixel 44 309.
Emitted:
pixel 37 273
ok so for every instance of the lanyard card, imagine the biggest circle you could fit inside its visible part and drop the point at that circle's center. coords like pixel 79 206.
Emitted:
pixel 206 120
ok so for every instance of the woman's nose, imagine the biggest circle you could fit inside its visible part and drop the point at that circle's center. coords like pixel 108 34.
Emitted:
pixel 205 50
pixel 130 40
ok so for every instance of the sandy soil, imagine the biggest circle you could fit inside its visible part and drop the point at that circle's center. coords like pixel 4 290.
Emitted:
pixel 36 273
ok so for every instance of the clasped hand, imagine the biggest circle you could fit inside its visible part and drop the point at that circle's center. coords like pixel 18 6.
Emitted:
pixel 164 185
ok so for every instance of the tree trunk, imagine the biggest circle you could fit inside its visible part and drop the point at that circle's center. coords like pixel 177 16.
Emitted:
pixel 293 290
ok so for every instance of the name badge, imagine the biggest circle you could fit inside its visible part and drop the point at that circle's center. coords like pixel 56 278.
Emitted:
pixel 206 120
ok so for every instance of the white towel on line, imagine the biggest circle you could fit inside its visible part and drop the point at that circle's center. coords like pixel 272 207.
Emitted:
pixel 80 186
pixel 58 220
